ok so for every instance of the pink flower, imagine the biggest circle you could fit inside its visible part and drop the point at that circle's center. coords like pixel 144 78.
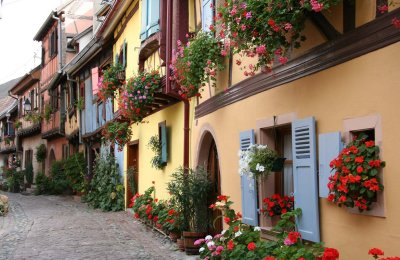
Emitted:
pixel 316 6
pixel 288 26
pixel 396 22
pixel 243 5
pixel 283 59
pixel 199 241
pixel 212 5
pixel 243 27
pixel 223 53
pixel 248 15
pixel 288 242
pixel 233 12
pixel 219 248
pixel 261 49
pixel 383 9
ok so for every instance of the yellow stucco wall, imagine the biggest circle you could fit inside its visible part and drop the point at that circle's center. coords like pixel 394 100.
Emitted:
pixel 364 86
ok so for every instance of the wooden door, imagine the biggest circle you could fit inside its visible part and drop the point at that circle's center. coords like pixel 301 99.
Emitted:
pixel 214 175
pixel 133 169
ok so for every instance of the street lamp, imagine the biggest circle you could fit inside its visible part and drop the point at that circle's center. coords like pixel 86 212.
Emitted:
pixel 27 105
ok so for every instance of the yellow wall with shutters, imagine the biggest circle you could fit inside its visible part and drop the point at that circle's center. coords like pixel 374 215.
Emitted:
pixel 364 86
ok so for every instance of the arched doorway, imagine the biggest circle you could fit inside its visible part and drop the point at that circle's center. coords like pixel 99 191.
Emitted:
pixel 209 159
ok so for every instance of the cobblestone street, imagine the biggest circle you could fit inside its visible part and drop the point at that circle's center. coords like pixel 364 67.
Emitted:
pixel 56 227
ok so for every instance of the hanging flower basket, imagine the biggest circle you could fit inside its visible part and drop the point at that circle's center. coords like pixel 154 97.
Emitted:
pixel 355 182
pixel 259 160
pixel 117 132
pixel 196 63
pixel 112 80
pixel 138 95
pixel 264 29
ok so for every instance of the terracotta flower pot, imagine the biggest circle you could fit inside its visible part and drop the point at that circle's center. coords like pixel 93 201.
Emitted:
pixel 173 236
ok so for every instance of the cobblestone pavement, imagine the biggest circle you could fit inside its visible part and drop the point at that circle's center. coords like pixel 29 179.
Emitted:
pixel 56 227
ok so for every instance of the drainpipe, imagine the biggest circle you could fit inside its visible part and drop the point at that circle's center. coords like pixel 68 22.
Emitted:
pixel 59 43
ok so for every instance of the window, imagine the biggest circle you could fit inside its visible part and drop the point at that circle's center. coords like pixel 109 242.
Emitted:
pixel 70 47
pixel 150 18
pixel 207 15
pixel 65 151
pixel 54 94
pixel 32 99
pixel 53 43
pixel 82 93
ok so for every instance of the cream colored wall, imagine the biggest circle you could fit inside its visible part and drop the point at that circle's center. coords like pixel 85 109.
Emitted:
pixel 363 86
pixel 142 132
pixel 154 62
pixel 72 123
pixel 30 143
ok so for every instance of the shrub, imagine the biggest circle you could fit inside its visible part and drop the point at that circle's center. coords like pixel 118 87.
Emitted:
pixel 15 179
pixel 57 175
pixel 41 153
pixel 106 191
pixel 75 169
pixel 44 185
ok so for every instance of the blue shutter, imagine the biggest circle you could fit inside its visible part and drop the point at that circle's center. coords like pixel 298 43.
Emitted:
pixel 207 15
pixel 153 19
pixel 305 178
pixel 143 30
pixel 116 58
pixel 163 137
pixel 329 146
pixel 248 186
pixel 124 52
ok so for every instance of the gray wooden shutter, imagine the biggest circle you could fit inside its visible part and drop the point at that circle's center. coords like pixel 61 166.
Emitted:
pixel 163 139
pixel 153 19
pixel 248 185
pixel 329 147
pixel 143 31
pixel 207 15
pixel 305 177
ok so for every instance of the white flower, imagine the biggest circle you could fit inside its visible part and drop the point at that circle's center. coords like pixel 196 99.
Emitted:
pixel 201 249
pixel 258 166
pixel 223 232
pixel 257 229
pixel 220 204
pixel 238 233
pixel 222 239
pixel 208 237
pixel 261 168
pixel 210 244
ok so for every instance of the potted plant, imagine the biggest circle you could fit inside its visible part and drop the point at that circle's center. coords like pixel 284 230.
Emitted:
pixel 190 70
pixel 18 124
pixel 118 132
pixel 47 112
pixel 189 191
pixel 356 181
pixel 138 95
pixel 259 160
pixel 276 205
pixel 155 145
pixel 111 80
pixel 264 29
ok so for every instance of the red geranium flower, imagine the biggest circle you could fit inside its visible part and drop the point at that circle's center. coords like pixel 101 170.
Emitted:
pixel 230 245
pixel 330 254
pixel 375 252
pixel 251 246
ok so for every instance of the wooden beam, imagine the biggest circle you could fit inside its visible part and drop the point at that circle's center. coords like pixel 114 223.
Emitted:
pixel 324 26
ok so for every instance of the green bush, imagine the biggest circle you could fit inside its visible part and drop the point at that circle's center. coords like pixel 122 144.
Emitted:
pixel 15 179
pixel 44 185
pixel 106 190
pixel 41 153
pixel 29 173
pixel 75 169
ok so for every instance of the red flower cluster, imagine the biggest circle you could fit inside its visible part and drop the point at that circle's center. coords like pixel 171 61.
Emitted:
pixel 375 252
pixel 293 236
pixel 277 205
pixel 329 254
pixel 355 181
pixel 251 246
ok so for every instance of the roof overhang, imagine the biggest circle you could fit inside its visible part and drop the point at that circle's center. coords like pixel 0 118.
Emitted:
pixel 26 81
pixel 45 27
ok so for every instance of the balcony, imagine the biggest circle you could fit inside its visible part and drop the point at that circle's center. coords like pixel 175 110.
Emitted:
pixel 53 127
pixel 8 144
pixel 29 127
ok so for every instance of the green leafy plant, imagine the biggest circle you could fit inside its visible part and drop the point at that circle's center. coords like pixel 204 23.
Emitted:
pixel 8 140
pixel 80 104
pixel 15 179
pixel 138 95
pixel 196 63
pixel 44 185
pixel 112 80
pixel 156 146
pixel 355 182
pixel 106 190
pixel 61 184
pixel 33 117
pixel 75 170
pixel 257 160
pixel 41 152
pixel 264 29
pixel 118 132
pixel 17 124
pixel 131 173
pixel 48 110
pixel 29 173
pixel 189 191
